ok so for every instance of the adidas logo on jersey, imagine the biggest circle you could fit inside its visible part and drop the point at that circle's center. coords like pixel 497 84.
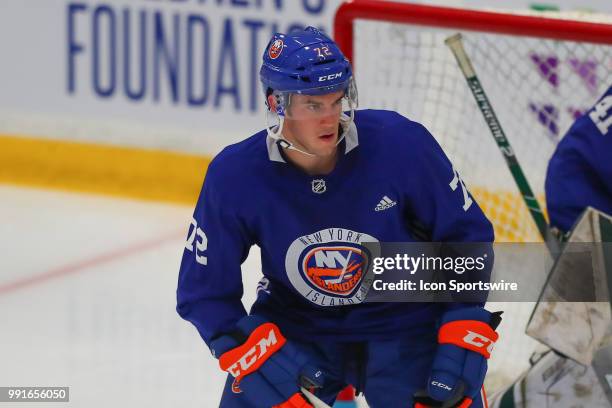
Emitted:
pixel 384 204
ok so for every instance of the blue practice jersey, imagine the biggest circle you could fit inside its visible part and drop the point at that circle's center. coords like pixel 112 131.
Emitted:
pixel 392 183
pixel 580 171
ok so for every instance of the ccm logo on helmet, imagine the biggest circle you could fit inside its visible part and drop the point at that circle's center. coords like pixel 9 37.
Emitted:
pixel 253 354
pixel 479 340
pixel 330 77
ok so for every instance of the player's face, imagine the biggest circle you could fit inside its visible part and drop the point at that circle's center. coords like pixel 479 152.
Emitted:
pixel 312 122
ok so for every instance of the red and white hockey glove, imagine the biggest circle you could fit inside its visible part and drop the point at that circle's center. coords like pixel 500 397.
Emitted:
pixel 265 365
pixel 466 338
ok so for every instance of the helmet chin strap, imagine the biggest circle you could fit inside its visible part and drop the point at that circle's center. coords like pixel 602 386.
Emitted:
pixel 276 132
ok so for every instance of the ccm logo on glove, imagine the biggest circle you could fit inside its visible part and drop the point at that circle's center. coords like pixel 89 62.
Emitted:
pixel 469 334
pixel 478 340
pixel 261 344
pixel 439 384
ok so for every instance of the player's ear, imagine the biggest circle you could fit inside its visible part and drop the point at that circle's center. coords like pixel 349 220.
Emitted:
pixel 271 102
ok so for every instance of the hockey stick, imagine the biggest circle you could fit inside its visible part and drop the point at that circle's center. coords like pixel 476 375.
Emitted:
pixel 343 270
pixel 316 402
pixel 455 44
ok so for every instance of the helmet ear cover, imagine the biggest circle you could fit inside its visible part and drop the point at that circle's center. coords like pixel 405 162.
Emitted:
pixel 277 106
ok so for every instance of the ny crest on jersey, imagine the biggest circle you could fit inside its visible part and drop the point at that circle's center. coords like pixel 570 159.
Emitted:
pixel 336 270
pixel 318 186
pixel 328 267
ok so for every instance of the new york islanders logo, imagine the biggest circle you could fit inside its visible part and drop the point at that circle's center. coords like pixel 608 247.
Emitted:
pixel 328 266
pixel 336 270
pixel 275 49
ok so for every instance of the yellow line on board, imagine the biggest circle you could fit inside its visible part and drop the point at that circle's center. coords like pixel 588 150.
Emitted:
pixel 119 171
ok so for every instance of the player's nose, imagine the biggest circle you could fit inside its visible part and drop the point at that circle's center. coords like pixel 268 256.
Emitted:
pixel 329 119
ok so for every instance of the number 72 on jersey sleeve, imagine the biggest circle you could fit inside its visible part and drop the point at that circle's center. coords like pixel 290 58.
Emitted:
pixel 197 237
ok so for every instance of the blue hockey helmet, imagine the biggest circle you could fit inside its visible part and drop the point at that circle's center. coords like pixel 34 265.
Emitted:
pixel 305 62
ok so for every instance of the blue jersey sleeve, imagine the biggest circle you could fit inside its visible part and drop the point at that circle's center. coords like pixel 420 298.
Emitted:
pixel 442 206
pixel 210 281
pixel 440 202
pixel 580 170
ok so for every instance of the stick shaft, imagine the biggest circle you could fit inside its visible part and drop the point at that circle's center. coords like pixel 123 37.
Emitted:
pixel 456 45
pixel 316 402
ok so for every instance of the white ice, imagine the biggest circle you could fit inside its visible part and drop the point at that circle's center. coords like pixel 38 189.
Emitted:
pixel 87 300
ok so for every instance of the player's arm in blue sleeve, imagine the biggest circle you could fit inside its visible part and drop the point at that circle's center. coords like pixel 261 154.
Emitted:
pixel 209 296
pixel 210 281
pixel 572 184
pixel 439 199
pixel 580 170
pixel 441 204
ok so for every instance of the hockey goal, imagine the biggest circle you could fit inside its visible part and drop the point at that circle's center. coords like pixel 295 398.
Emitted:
pixel 540 72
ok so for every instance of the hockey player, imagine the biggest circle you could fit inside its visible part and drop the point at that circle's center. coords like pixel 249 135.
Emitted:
pixel 580 171
pixel 320 180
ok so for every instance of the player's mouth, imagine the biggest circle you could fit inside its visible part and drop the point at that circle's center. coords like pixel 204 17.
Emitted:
pixel 327 137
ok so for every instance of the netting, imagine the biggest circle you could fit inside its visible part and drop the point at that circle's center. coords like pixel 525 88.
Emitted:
pixel 537 87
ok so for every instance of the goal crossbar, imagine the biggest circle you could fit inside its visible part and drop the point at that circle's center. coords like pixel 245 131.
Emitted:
pixel 473 20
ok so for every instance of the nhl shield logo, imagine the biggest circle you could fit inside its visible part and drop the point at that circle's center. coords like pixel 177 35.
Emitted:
pixel 275 49
pixel 318 186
